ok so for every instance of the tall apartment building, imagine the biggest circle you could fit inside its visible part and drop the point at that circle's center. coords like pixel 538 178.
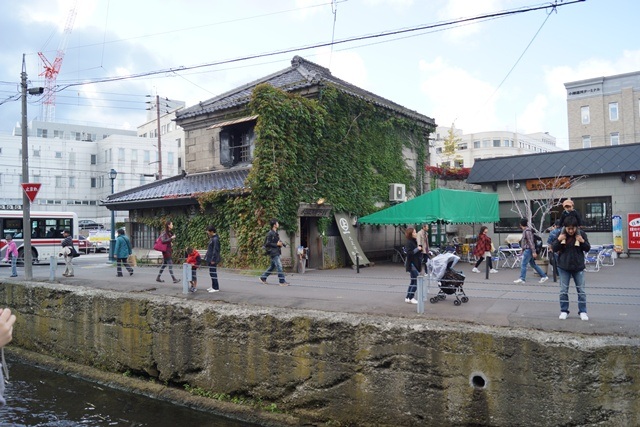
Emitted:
pixel 604 111
pixel 486 145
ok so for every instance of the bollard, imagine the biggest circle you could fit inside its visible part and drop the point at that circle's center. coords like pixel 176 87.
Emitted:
pixel 52 268
pixel 421 294
pixel 357 263
pixel 186 277
pixel 487 260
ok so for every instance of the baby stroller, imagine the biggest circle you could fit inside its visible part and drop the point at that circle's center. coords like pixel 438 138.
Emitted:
pixel 449 280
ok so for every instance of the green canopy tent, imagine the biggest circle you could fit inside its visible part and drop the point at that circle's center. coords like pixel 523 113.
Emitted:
pixel 439 206
pixel 442 206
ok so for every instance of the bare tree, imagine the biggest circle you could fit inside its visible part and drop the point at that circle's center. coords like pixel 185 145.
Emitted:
pixel 554 192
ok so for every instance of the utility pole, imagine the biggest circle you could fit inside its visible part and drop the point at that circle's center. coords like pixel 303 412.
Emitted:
pixel 26 203
pixel 159 138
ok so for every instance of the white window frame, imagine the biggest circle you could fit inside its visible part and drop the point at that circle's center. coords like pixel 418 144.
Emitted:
pixel 614 113
pixel 586 141
pixel 614 138
pixel 585 116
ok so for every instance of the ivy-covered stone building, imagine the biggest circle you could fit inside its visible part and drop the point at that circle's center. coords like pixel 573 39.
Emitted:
pixel 299 145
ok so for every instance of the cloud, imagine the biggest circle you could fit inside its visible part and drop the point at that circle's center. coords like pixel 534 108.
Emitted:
pixel 533 118
pixel 345 65
pixel 454 95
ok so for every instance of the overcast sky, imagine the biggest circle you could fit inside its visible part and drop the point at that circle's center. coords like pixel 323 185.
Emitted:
pixel 499 74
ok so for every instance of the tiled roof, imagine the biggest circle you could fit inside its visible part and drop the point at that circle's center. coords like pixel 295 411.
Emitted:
pixel 180 188
pixel 302 74
pixel 587 161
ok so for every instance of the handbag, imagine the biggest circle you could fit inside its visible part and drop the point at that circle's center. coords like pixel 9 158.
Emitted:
pixel 160 246
pixel 73 252
pixel 132 260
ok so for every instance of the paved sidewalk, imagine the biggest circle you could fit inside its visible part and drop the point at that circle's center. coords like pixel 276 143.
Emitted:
pixel 613 294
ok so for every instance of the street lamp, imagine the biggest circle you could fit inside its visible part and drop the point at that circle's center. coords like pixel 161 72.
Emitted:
pixel 112 244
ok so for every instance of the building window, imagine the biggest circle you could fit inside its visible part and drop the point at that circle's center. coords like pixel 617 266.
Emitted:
pixel 58 181
pixel 458 163
pixel 72 157
pixel 476 143
pixel 438 150
pixel 496 143
pixel 613 111
pixel 72 182
pixel 584 114
pixel 445 165
pixel 36 178
pixel 236 144
pixel 147 157
pixel 58 134
pixel 94 183
pixel 586 142
pixel 58 154
pixel 615 138
pixel 94 159
pixel 170 158
pixel 134 156
pixel 42 133
pixel 462 146
pixel 486 143
pixel 121 154
pixel 36 153
pixel 179 141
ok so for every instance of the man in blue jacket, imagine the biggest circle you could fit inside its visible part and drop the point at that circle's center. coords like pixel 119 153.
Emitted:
pixel 571 264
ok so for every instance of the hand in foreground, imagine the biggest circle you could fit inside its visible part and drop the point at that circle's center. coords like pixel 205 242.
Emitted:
pixel 6 326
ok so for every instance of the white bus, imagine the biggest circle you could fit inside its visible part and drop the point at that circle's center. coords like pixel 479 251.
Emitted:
pixel 46 233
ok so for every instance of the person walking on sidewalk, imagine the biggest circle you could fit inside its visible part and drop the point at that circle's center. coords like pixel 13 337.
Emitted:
pixel 571 264
pixel 67 246
pixel 122 252
pixel 11 255
pixel 213 258
pixel 423 240
pixel 483 245
pixel 529 254
pixel 274 245
pixel 167 237
pixel 413 263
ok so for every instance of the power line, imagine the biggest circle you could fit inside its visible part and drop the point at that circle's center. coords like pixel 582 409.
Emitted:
pixel 325 44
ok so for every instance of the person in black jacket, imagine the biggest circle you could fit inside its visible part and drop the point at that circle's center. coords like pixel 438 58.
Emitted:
pixel 413 263
pixel 571 264
pixel 273 245
pixel 212 258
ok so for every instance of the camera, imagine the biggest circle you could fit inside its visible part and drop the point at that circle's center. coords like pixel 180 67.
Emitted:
pixel 284 245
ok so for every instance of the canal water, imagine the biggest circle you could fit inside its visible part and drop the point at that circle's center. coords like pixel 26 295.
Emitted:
pixel 39 397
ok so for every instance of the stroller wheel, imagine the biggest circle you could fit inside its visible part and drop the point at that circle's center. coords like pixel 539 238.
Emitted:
pixel 442 297
pixel 433 300
pixel 457 302
pixel 465 299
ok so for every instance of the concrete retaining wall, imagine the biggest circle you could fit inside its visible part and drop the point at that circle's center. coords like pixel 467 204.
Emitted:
pixel 344 368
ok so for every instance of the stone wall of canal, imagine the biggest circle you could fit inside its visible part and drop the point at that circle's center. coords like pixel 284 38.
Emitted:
pixel 342 369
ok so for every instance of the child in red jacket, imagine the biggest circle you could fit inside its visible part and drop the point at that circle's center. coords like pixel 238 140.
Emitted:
pixel 193 258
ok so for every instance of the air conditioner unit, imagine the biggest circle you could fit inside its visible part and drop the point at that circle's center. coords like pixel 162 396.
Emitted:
pixel 396 192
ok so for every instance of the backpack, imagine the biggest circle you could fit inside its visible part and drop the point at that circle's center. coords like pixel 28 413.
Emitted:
pixel 265 249
pixel 537 241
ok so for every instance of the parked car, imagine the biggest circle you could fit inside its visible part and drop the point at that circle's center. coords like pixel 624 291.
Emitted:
pixel 84 244
pixel 89 224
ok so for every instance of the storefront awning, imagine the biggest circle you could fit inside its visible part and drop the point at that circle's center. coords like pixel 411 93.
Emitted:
pixel 233 122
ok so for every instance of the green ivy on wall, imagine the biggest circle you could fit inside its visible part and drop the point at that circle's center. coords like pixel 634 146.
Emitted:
pixel 337 147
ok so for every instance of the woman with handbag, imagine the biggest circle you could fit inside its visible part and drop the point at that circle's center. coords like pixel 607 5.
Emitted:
pixel 166 239
pixel 483 245
pixel 67 252
pixel 122 252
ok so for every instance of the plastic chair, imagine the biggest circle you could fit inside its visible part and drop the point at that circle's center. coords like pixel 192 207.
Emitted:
pixel 592 260
pixel 608 257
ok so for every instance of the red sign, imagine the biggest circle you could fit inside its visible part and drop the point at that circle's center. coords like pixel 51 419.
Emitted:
pixel 31 190
pixel 634 231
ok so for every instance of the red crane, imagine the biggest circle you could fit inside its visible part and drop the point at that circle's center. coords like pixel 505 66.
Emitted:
pixel 51 70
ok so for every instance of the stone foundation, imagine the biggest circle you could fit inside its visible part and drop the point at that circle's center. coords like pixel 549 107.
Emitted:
pixel 345 369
